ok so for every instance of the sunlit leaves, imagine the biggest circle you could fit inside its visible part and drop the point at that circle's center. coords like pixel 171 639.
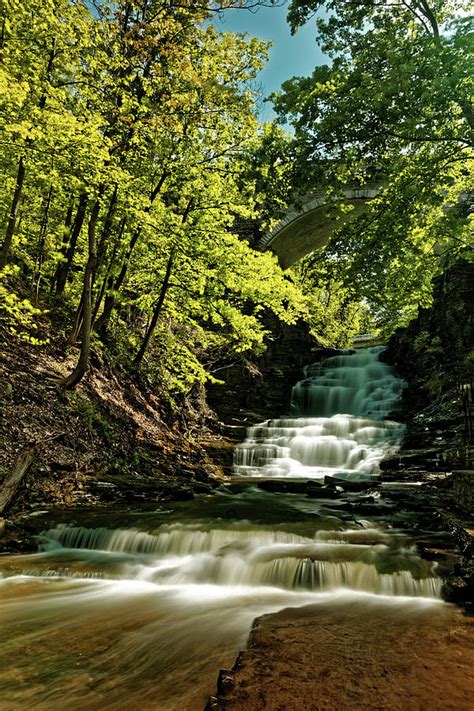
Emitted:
pixel 146 111
pixel 395 109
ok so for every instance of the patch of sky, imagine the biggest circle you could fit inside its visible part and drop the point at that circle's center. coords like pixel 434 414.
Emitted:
pixel 289 56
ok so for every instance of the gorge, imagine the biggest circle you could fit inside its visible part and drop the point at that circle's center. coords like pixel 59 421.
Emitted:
pixel 236 355
pixel 166 595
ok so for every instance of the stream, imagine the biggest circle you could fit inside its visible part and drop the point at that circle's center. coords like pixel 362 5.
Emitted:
pixel 142 608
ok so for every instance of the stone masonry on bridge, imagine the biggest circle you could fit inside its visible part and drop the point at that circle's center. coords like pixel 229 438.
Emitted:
pixel 309 227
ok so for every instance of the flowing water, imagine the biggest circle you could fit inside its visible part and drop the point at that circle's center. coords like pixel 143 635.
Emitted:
pixel 339 423
pixel 142 608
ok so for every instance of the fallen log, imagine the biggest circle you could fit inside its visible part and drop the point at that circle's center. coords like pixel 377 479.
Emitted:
pixel 13 480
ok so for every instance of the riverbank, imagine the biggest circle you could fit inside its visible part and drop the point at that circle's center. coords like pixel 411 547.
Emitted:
pixel 112 441
pixel 351 656
pixel 116 440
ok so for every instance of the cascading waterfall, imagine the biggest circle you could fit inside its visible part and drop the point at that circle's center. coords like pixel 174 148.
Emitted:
pixel 337 427
pixel 152 609
pixel 239 556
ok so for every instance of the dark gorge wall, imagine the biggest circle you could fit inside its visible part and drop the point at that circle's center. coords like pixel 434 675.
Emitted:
pixel 256 388
pixel 435 356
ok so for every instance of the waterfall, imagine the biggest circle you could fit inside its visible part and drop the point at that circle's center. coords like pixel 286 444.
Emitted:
pixel 190 554
pixel 338 424
pixel 153 607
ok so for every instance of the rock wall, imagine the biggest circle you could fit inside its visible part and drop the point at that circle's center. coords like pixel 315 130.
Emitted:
pixel 435 356
pixel 257 388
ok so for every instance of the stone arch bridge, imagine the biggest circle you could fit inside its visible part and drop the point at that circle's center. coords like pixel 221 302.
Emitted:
pixel 309 227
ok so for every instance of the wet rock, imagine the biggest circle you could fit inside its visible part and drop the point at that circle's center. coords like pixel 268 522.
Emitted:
pixel 404 459
pixel 347 656
pixel 323 492
pixel 125 489
pixel 351 485
pixel 462 483
pixel 17 538
pixel 459 585
pixel 225 681
pixel 373 509
pixel 203 488
pixel 213 704
pixel 291 486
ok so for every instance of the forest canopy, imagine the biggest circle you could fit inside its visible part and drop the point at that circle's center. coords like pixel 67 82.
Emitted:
pixel 124 132
pixel 135 175
pixel 394 108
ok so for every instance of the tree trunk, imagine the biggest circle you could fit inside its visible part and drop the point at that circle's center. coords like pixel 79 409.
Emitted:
pixel 13 479
pixel 41 243
pixel 107 228
pixel 157 311
pixel 83 363
pixel 64 242
pixel 108 282
pixel 2 39
pixel 103 320
pixel 20 176
pixel 77 325
pixel 101 249
pixel 64 267
pixel 164 288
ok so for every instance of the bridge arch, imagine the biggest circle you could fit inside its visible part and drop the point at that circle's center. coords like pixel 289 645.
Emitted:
pixel 309 227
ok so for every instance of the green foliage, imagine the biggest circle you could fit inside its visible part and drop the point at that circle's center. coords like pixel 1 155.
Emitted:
pixel 18 316
pixel 269 168
pixel 93 419
pixel 143 112
pixel 335 314
pixel 429 350
pixel 131 156
pixel 394 109
pixel 427 344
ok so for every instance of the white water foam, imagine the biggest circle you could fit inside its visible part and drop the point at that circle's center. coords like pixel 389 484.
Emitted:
pixel 371 561
pixel 338 427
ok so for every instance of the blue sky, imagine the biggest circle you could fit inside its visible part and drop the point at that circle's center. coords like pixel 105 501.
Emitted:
pixel 289 56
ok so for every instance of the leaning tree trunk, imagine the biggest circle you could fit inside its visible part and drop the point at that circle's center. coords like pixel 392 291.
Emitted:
pixel 107 228
pixel 41 244
pixel 7 243
pixel 109 303
pixel 164 288
pixel 83 363
pixel 157 311
pixel 107 281
pixel 101 250
pixel 64 267
pixel 102 322
pixel 64 242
